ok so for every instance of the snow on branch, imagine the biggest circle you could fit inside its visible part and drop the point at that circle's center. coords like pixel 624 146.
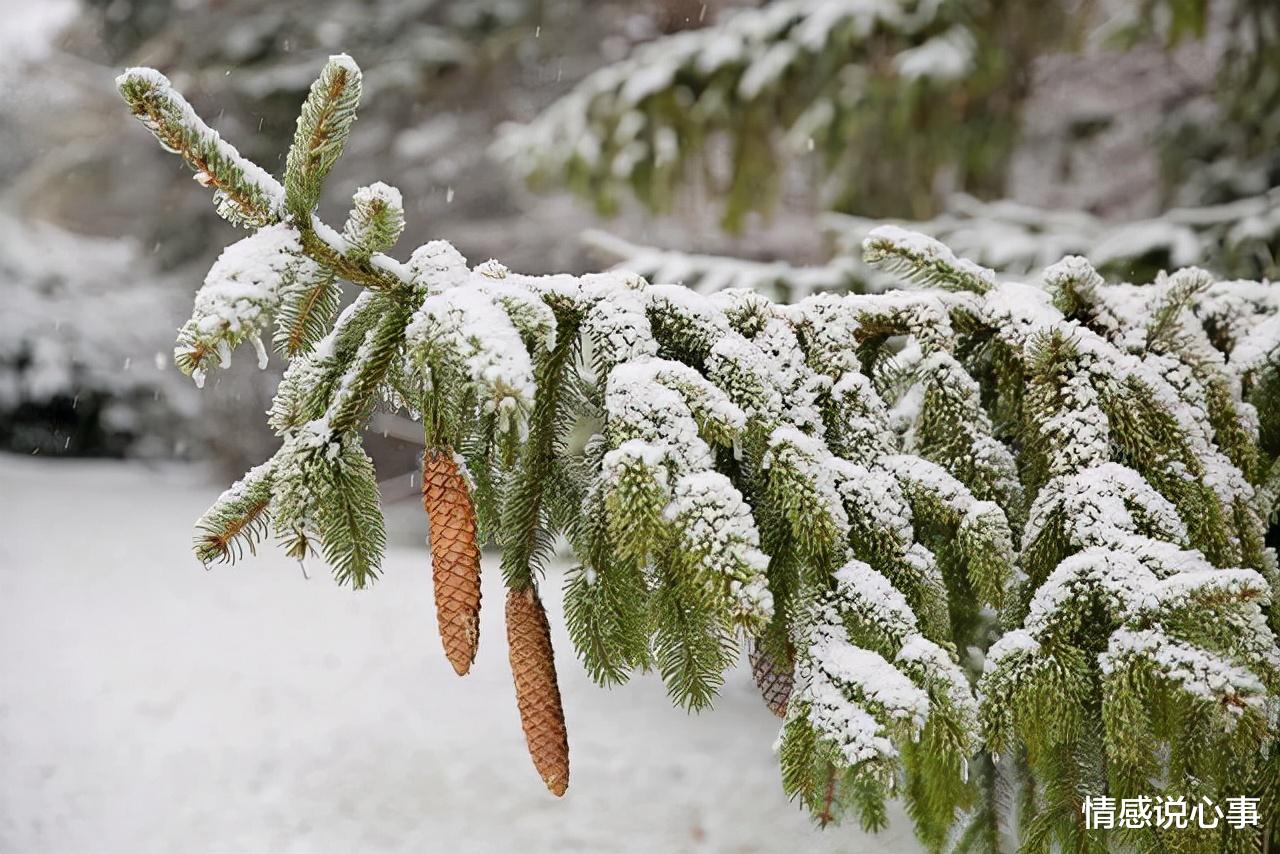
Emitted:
pixel 638 123
pixel 711 273
pixel 239 295
pixel 853 482
pixel 1238 239
pixel 245 194
pixel 923 259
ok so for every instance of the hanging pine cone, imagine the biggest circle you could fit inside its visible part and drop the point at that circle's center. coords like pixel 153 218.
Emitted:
pixel 774 682
pixel 455 556
pixel 533 668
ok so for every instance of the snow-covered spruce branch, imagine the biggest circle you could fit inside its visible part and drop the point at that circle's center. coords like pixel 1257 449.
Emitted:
pixel 871 489
pixel 710 273
pixel 1242 237
pixel 1238 239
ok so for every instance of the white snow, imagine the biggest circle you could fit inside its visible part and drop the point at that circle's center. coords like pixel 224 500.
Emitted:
pixel 708 404
pixel 618 329
pixel 1021 240
pixel 638 408
pixel 252 174
pixel 766 69
pixel 876 599
pixel 346 62
pixel 239 294
pixel 436 265
pixel 462 324
pixel 716 526
pixel 366 199
pixel 711 273
pixel 69 321
pixel 1103 505
pixel 149 706
pixel 811 461
pixel 1200 673
pixel 244 283
pixel 868 674
pixel 922 250
pixel 610 116
pixel 946 57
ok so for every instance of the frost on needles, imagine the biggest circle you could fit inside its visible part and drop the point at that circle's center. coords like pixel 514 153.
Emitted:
pixel 993 542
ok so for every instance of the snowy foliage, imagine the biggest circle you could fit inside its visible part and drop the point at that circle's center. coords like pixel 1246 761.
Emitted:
pixel 239 295
pixel 969 516
pixel 638 123
pixel 243 191
pixel 711 273
pixel 463 333
pixel 1236 239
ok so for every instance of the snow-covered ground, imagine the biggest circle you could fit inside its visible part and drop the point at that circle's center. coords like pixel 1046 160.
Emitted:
pixel 149 706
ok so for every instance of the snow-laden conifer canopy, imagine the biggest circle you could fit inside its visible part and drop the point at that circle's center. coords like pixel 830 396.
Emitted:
pixel 969 518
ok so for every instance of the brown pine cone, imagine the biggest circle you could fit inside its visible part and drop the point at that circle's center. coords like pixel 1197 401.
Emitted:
pixel 533 668
pixel 774 683
pixel 455 556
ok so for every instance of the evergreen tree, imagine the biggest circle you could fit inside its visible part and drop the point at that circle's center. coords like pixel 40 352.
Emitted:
pixel 842 77
pixel 973 520
pixel 893 101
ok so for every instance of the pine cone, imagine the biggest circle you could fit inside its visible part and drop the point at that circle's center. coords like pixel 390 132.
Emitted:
pixel 774 683
pixel 455 556
pixel 533 668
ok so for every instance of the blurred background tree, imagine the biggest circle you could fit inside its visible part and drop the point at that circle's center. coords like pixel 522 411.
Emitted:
pixel 1015 132
pixel 904 105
